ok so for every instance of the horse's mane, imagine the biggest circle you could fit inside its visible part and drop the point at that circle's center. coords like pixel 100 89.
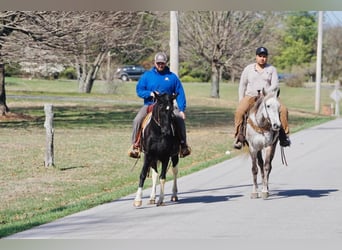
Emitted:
pixel 257 104
pixel 259 100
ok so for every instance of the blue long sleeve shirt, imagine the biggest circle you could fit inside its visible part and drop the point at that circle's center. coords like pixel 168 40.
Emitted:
pixel 162 82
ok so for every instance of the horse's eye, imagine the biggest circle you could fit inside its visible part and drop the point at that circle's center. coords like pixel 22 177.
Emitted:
pixel 268 106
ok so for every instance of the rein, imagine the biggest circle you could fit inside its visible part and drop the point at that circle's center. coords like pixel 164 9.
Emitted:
pixel 156 120
pixel 151 110
pixel 283 157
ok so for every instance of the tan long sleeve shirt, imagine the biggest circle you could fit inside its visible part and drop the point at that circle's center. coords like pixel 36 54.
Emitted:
pixel 251 80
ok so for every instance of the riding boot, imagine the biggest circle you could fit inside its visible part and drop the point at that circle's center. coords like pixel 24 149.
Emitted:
pixel 185 150
pixel 180 131
pixel 239 141
pixel 284 139
pixel 134 151
pixel 240 138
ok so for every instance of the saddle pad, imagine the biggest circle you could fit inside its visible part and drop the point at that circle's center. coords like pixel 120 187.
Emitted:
pixel 146 120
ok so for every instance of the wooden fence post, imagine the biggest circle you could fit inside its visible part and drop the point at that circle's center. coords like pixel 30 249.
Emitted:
pixel 48 124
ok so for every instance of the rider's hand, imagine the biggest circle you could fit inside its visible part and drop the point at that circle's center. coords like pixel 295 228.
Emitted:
pixel 153 95
pixel 182 114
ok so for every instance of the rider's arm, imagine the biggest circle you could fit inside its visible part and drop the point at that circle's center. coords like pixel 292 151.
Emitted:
pixel 141 88
pixel 274 84
pixel 181 99
pixel 243 83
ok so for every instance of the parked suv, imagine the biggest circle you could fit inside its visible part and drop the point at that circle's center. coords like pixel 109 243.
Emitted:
pixel 129 72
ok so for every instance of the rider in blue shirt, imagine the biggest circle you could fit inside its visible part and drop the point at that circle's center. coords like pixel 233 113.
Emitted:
pixel 161 80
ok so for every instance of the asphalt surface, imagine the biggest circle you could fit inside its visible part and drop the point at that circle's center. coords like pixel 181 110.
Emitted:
pixel 305 201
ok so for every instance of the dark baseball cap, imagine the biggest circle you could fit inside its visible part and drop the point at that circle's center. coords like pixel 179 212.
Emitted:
pixel 160 57
pixel 261 50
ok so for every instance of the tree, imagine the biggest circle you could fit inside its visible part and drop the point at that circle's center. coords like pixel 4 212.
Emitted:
pixel 298 40
pixel 9 21
pixel 222 39
pixel 332 53
pixel 84 39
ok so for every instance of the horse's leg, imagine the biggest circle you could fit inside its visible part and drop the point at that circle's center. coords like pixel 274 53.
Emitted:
pixel 268 168
pixel 174 196
pixel 154 185
pixel 162 179
pixel 261 165
pixel 143 174
pixel 254 193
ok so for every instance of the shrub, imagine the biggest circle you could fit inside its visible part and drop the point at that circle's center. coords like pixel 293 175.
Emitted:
pixel 69 73
pixel 294 81
pixel 188 78
pixel 13 69
pixel 298 76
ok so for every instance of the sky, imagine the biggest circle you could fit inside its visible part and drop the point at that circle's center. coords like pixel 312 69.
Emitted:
pixel 333 17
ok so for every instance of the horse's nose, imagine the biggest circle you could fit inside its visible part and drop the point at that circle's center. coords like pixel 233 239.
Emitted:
pixel 276 126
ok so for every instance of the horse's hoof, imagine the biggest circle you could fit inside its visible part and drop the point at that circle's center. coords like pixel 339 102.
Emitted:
pixel 137 203
pixel 264 195
pixel 254 195
pixel 174 198
pixel 152 202
pixel 160 204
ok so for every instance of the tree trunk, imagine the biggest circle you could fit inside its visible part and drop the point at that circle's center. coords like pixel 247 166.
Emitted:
pixel 215 80
pixel 3 107
pixel 87 75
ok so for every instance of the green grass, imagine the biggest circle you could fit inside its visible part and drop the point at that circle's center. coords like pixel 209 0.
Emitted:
pixel 92 136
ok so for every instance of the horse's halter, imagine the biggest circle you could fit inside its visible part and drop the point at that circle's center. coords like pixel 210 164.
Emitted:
pixel 157 111
pixel 267 125
pixel 268 119
pixel 157 119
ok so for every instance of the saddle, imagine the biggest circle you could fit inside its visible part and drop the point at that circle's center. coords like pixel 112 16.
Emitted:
pixel 143 125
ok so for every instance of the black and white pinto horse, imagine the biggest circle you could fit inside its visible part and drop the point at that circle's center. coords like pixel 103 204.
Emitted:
pixel 262 131
pixel 160 143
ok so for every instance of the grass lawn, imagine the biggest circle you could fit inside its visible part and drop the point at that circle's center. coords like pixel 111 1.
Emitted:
pixel 92 136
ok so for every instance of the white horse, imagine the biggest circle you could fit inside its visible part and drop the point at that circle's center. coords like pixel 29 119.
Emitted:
pixel 262 131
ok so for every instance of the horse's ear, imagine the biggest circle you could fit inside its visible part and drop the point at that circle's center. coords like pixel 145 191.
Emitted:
pixel 174 96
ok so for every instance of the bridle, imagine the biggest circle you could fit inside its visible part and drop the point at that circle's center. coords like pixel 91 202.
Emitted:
pixel 261 129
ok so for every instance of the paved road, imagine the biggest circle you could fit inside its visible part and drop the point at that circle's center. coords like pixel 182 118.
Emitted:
pixel 305 201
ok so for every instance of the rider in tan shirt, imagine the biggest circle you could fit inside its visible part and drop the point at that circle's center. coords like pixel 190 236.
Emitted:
pixel 255 77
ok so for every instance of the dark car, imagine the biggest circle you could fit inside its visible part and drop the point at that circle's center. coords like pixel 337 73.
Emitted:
pixel 129 72
pixel 284 76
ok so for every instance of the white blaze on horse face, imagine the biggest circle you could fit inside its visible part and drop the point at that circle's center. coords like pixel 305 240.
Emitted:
pixel 272 107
